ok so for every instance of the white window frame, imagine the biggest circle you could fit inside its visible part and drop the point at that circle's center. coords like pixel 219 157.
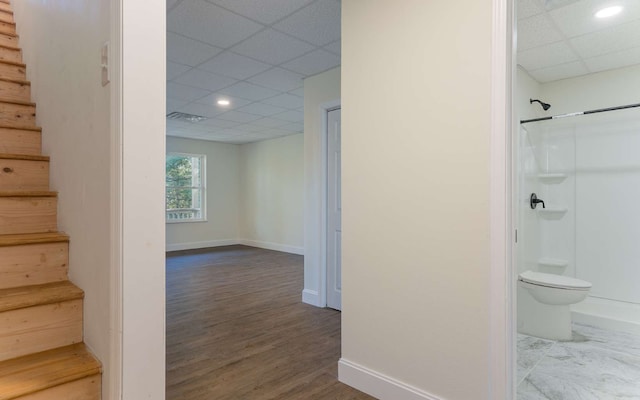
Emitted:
pixel 202 188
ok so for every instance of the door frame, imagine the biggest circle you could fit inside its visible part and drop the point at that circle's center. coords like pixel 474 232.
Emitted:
pixel 325 207
pixel 325 108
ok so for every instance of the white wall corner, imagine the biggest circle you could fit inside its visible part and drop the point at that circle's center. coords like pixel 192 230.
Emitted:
pixel 379 385
pixel 273 246
pixel 201 245
pixel 311 297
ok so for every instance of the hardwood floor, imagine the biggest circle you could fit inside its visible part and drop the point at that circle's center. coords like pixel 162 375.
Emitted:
pixel 237 329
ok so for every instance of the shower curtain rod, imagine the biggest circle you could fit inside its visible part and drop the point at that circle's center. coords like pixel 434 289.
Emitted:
pixel 575 114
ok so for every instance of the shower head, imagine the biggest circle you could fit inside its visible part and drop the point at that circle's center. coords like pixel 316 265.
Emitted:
pixel 545 106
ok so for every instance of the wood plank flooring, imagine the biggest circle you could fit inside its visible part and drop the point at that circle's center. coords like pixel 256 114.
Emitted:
pixel 237 329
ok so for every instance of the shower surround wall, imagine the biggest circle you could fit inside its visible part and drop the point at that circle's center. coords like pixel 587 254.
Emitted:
pixel 598 234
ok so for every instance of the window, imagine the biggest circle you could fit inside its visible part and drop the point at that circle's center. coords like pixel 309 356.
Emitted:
pixel 185 183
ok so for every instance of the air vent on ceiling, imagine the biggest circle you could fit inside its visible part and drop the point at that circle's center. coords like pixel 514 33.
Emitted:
pixel 185 117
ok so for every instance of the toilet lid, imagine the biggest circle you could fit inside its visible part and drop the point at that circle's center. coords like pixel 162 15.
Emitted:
pixel 552 280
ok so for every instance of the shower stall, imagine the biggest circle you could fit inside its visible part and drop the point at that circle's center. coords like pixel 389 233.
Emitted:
pixel 585 167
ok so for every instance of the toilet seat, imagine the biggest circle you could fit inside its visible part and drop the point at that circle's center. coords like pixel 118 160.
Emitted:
pixel 554 281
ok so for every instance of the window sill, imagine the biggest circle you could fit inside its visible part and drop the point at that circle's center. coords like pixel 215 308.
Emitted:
pixel 189 221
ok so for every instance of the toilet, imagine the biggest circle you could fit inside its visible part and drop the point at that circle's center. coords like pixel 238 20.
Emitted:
pixel 544 304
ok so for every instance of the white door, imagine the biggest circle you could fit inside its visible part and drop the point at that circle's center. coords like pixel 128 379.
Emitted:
pixel 334 213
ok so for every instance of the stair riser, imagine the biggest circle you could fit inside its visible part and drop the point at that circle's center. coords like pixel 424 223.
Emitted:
pixel 34 329
pixel 27 214
pixel 83 389
pixel 5 6
pixel 16 141
pixel 24 175
pixel 7 28
pixel 33 264
pixel 6 17
pixel 15 91
pixel 8 40
pixel 17 114
pixel 13 71
pixel 14 55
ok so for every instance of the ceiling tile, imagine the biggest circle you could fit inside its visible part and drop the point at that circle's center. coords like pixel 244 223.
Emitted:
pixel 546 56
pixel 528 8
pixel 313 63
pixel 171 3
pixel 285 100
pixel 174 69
pixel 276 132
pixel 171 123
pixel 200 109
pixel 272 47
pixel 234 65
pixel 555 4
pixel 298 92
pixel 265 11
pixel 262 109
pixel 291 116
pixel 606 41
pixel 294 127
pixel 173 104
pixel 278 79
pixel 536 31
pixel 318 23
pixel 614 60
pixel 578 18
pixel 334 47
pixel 219 123
pixel 209 23
pixel 270 122
pixel 559 72
pixel 250 128
pixel 205 80
pixel 249 91
pixel 187 51
pixel 238 116
pixel 235 102
pixel 185 93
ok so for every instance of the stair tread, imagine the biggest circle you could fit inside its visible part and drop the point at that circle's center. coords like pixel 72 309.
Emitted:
pixel 20 127
pixel 18 81
pixel 28 193
pixel 32 238
pixel 29 296
pixel 7 46
pixel 17 64
pixel 22 103
pixel 35 372
pixel 23 157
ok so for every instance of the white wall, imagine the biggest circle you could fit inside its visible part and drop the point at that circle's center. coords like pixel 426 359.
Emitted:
pixel 416 92
pixel 272 194
pixel 61 45
pixel 319 90
pixel 223 197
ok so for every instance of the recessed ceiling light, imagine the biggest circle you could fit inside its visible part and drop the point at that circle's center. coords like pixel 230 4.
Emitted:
pixel 609 12
pixel 223 102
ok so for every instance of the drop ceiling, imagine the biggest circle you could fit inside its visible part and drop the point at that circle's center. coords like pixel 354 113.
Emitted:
pixel 559 39
pixel 254 53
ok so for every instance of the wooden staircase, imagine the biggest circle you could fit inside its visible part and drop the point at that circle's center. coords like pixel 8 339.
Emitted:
pixel 42 355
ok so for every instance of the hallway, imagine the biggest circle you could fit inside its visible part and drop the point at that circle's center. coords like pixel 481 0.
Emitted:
pixel 237 329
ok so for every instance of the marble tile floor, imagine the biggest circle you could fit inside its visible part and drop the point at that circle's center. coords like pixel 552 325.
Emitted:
pixel 596 365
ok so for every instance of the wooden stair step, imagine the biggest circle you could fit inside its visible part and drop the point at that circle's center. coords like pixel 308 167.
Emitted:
pixel 13 70
pixel 17 113
pixel 52 374
pixel 15 89
pixel 6 16
pixel 24 172
pixel 37 295
pixel 28 212
pixel 33 259
pixel 5 6
pixel 39 318
pixel 20 140
pixel 10 53
pixel 7 27
pixel 9 39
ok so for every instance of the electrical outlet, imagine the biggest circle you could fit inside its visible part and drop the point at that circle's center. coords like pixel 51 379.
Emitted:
pixel 104 64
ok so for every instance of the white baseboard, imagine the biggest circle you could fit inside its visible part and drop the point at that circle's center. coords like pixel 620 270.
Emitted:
pixel 201 245
pixel 311 297
pixel 272 246
pixel 377 384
